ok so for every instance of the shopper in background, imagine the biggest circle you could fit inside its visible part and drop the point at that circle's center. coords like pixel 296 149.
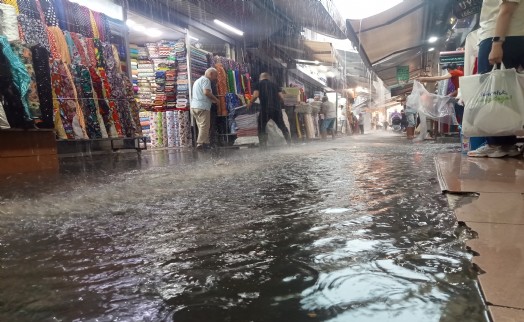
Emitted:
pixel 453 75
pixel 502 41
pixel 201 101
pixel 361 122
pixel 270 96
pixel 330 115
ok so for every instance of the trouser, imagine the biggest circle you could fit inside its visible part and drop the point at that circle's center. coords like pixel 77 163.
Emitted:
pixel 361 126
pixel 513 49
pixel 275 115
pixel 203 121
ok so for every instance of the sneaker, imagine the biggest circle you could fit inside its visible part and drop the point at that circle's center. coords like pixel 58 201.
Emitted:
pixel 512 151
pixel 487 150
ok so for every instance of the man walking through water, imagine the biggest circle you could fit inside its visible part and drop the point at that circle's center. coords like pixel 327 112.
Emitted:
pixel 270 107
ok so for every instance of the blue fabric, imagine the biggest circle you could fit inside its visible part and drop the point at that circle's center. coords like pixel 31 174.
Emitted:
pixel 21 77
pixel 328 124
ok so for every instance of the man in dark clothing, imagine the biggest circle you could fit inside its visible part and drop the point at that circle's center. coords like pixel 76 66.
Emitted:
pixel 270 107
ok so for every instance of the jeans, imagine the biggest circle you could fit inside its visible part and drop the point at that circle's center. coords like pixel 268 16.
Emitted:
pixel 513 48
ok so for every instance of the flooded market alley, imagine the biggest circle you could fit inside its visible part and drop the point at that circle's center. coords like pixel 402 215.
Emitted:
pixel 350 230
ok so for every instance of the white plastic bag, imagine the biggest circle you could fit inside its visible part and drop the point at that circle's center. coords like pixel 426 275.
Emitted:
pixel 494 104
pixel 275 137
pixel 433 106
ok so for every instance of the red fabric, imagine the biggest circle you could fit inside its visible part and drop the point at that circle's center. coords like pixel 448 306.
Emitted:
pixel 455 74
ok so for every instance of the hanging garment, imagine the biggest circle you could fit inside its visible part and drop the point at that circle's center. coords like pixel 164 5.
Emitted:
pixel 21 78
pixel 33 31
pixel 9 22
pixel 103 103
pixel 85 92
pixel 44 89
pixel 107 90
pixel 25 55
pixel 10 95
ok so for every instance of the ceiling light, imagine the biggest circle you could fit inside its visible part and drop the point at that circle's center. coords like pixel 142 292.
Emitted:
pixel 153 32
pixel 130 23
pixel 322 68
pixel 228 27
pixel 431 49
pixel 194 38
pixel 317 62
pixel 432 39
pixel 330 74
pixel 139 28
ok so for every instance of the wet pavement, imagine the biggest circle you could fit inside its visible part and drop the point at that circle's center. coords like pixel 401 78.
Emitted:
pixel 350 230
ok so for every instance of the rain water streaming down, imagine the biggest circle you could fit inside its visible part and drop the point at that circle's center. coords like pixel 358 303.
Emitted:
pixel 351 230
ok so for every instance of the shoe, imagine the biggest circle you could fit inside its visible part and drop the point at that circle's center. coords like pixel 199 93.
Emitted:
pixel 511 151
pixel 491 151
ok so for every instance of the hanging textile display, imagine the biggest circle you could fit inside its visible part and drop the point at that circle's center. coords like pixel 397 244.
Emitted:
pixel 222 89
pixel 10 95
pixel 153 130
pixel 165 136
pixel 159 130
pixel 43 83
pixel 9 22
pixel 12 3
pixel 103 103
pixel 25 55
pixel 171 129
pixel 21 78
pixel 88 103
pixel 33 32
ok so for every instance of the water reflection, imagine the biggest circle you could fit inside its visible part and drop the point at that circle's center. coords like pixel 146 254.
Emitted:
pixel 316 233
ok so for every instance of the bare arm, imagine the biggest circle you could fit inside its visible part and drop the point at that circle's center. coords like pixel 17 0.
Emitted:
pixel 434 78
pixel 507 9
pixel 256 94
pixel 210 95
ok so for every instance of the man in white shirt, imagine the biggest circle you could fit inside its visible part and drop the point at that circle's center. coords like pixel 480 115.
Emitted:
pixel 502 41
pixel 201 101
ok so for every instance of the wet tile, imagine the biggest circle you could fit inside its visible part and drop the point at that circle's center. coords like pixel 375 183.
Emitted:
pixel 501 249
pixel 458 173
pixel 502 314
pixel 501 208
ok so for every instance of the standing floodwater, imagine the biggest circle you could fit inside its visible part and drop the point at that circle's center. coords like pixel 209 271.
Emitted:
pixel 354 230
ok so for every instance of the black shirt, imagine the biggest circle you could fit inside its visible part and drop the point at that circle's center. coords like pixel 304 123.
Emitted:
pixel 269 97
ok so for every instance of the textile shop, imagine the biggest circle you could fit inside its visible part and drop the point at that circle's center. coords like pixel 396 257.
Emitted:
pixel 163 71
pixel 62 67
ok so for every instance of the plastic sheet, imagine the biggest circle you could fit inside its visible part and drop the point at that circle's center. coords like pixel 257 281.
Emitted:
pixel 432 106
pixel 275 137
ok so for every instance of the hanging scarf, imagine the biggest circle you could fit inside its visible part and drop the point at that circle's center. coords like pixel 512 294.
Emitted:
pixel 21 77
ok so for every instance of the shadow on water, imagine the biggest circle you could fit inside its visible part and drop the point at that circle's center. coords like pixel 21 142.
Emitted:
pixel 354 230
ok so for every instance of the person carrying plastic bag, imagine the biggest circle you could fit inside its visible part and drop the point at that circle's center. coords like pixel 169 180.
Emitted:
pixel 502 41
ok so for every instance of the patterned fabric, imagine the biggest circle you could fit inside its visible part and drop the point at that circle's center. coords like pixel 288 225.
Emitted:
pixel 33 32
pixel 91 51
pixel 28 9
pixel 9 94
pixel 65 107
pixel 81 48
pixel 62 50
pixel 48 7
pixel 9 22
pixel 73 50
pixel 94 27
pixel 222 89
pixel 133 106
pixel 89 107
pixel 32 94
pixel 12 3
pixel 103 103
pixel 112 105
pixel 21 78
pixel 43 81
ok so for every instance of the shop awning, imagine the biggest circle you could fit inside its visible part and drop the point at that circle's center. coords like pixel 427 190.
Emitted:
pixel 398 36
pixel 321 51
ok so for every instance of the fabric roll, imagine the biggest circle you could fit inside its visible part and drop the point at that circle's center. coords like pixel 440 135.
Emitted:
pixel 165 134
pixel 310 128
pixel 159 130
pixel 153 130
pixel 222 89
pixel 171 129
pixel 9 22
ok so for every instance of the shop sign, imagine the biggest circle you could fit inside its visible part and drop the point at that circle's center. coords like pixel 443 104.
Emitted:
pixel 402 74
pixel 466 8
pixel 311 72
pixel 457 58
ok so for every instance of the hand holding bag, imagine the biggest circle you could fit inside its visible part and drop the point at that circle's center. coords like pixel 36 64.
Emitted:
pixel 494 103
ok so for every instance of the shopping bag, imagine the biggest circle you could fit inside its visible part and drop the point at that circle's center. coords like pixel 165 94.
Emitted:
pixel 275 137
pixel 4 124
pixel 494 103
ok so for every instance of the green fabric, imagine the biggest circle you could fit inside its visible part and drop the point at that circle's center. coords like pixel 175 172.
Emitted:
pixel 21 77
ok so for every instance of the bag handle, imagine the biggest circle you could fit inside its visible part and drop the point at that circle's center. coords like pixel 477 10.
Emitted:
pixel 502 67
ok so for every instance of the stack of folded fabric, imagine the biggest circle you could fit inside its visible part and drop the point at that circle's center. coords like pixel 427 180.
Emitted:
pixel 160 95
pixel 145 123
pixel 199 63
pixel 246 121
pixel 152 50
pixel 146 83
pixel 170 89
pixel 182 89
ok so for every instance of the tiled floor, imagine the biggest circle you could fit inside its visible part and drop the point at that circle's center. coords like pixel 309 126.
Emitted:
pixel 497 216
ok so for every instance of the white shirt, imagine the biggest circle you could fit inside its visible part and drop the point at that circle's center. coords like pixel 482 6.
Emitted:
pixel 472 52
pixel 199 99
pixel 488 19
